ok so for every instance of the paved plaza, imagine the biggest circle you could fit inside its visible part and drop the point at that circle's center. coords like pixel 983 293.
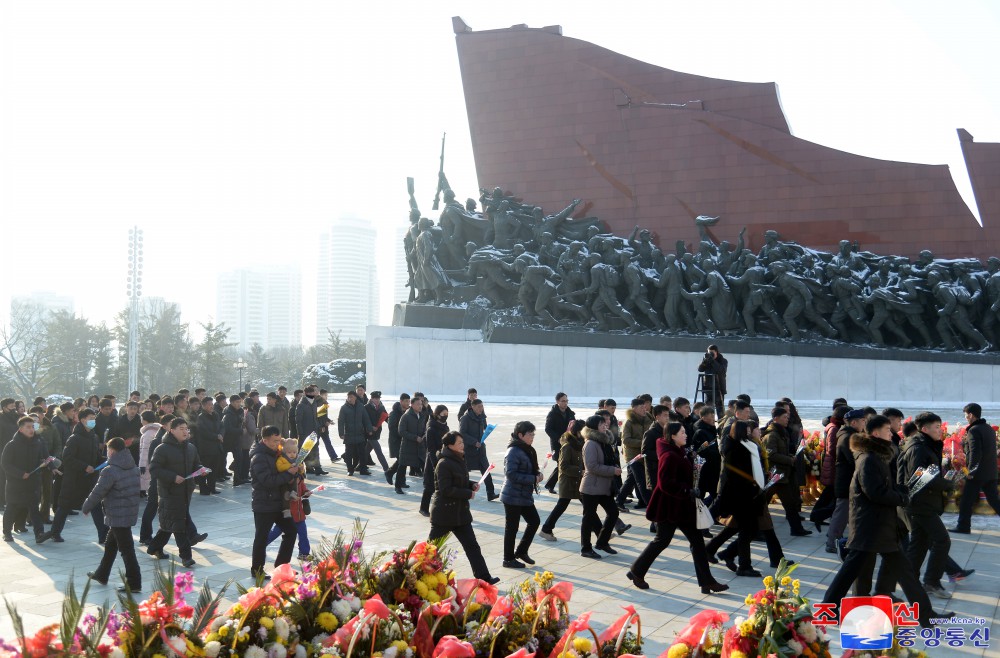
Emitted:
pixel 34 577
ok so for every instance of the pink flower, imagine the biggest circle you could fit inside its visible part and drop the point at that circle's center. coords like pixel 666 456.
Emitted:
pixel 375 606
pixel 451 647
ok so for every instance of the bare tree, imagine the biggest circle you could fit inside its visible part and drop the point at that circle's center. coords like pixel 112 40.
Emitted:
pixel 23 347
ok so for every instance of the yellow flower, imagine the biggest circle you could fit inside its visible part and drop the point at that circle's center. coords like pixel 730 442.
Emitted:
pixel 212 637
pixel 736 653
pixel 327 621
pixel 785 581
pixel 237 610
pixel 158 655
pixel 223 631
pixel 769 581
pixel 267 622
pixel 474 607
pixel 679 650
pixel 433 597
pixel 422 589
pixel 749 600
pixel 746 628
pixel 400 645
pixel 442 578
pixel 582 644
pixel 429 579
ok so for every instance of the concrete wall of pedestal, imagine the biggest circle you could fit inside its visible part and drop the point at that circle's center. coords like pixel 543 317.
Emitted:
pixel 445 362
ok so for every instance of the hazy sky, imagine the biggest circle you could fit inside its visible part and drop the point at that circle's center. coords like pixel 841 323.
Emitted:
pixel 234 132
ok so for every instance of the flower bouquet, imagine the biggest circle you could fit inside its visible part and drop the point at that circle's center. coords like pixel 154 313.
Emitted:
pixel 164 624
pixel 254 627
pixel 414 577
pixel 78 634
pixel 701 638
pixel 779 621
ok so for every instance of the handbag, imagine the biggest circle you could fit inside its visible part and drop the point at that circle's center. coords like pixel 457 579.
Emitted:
pixel 703 518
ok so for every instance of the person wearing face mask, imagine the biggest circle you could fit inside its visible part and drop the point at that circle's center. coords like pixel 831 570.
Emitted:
pixel 81 456
pixel 436 429
pixel 22 455
pixel 52 441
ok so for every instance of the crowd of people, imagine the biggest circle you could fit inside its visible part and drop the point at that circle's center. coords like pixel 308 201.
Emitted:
pixel 684 465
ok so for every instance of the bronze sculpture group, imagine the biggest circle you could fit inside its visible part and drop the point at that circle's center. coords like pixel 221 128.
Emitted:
pixel 561 271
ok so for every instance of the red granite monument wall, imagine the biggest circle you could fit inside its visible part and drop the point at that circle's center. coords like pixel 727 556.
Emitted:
pixel 554 118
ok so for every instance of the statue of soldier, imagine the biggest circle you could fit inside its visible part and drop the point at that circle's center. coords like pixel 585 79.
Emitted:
pixel 800 302
pixel 429 276
pixel 409 242
pixel 702 317
pixel 756 296
pixel 643 247
pixel 885 306
pixel 604 279
pixel 638 294
pixel 716 293
pixel 552 224
pixel 991 287
pixel 952 312
pixel 672 281
pixel 772 251
pixel 506 227
pixel 492 276
pixel 847 291
pixel 845 257
pixel 455 233
pixel 537 293
pixel 571 266
pixel 549 250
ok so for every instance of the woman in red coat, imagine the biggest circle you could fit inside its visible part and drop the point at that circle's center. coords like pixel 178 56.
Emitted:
pixel 671 506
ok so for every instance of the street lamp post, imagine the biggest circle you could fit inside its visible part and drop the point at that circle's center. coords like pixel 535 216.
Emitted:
pixel 134 289
pixel 240 365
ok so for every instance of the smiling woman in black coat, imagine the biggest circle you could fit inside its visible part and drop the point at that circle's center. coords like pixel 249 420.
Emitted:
pixel 450 510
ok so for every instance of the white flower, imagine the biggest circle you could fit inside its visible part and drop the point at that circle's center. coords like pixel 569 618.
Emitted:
pixel 300 651
pixel 389 653
pixel 471 626
pixel 342 609
pixel 354 602
pixel 409 652
pixel 255 652
pixel 212 649
pixel 281 628
pixel 277 651
pixel 217 623
pixel 795 647
pixel 807 631
pixel 118 653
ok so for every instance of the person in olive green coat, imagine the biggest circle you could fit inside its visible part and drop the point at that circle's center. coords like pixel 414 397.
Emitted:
pixel 570 474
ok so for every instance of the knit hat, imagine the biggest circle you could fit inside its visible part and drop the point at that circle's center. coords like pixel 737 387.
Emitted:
pixel 854 414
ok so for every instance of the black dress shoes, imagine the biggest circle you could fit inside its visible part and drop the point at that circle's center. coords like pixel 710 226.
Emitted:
pixel 637 580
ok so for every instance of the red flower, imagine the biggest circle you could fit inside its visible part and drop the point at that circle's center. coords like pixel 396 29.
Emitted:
pixel 400 595
pixel 441 609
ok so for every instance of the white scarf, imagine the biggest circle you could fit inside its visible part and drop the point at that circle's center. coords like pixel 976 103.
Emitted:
pixel 758 469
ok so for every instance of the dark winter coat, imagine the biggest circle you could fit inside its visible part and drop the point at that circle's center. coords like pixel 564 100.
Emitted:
pixel 170 459
pixel 775 441
pixel 828 466
pixel 556 423
pixel 980 447
pixel 353 423
pixel 117 490
pixel 411 434
pixel 374 416
pixel 293 431
pixel 673 497
pixel 206 436
pixel 105 426
pixel 232 428
pixel 845 462
pixel 651 460
pixel 305 416
pixel 521 473
pixel 82 450
pixel 8 426
pixel 598 463
pixel 276 416
pixel 62 423
pixel 718 367
pixel 921 451
pixel 739 493
pixel 570 466
pixel 393 423
pixel 706 444
pixel 472 427
pixel 128 429
pixel 269 486
pixel 452 491
pixel 435 432
pixel 22 455
pixel 874 498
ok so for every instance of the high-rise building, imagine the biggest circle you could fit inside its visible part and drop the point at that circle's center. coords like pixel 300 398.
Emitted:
pixel 48 302
pixel 347 290
pixel 261 305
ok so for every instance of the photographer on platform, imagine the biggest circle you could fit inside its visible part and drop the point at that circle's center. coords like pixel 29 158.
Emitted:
pixel 715 364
